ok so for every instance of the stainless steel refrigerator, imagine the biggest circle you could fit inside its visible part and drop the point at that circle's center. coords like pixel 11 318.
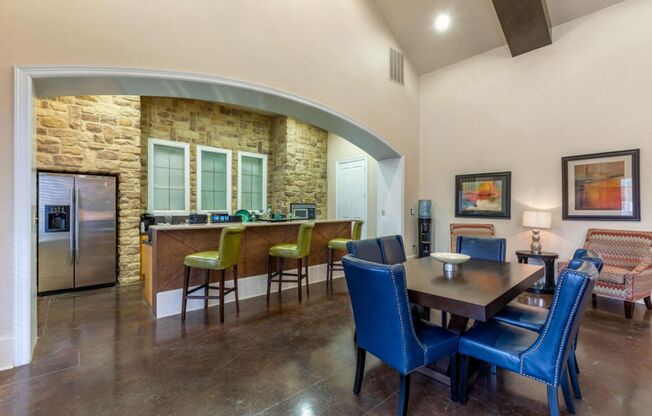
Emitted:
pixel 76 231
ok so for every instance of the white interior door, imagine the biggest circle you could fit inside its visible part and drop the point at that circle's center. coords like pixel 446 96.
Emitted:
pixel 351 190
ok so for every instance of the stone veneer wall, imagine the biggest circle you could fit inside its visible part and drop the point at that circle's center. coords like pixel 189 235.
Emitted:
pixel 203 123
pixel 97 134
pixel 299 165
pixel 296 164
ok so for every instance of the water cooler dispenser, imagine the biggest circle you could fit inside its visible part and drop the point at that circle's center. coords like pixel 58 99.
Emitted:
pixel 425 227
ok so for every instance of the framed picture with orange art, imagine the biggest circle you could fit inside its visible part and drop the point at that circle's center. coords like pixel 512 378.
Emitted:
pixel 602 186
pixel 485 195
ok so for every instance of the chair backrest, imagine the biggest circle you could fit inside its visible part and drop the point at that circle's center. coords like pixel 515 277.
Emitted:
pixel 483 248
pixel 392 248
pixel 229 249
pixel 382 313
pixel 356 232
pixel 368 250
pixel 304 238
pixel 470 230
pixel 545 359
pixel 620 248
pixel 590 256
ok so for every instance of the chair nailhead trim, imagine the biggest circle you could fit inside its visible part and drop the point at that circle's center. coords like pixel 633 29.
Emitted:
pixel 553 310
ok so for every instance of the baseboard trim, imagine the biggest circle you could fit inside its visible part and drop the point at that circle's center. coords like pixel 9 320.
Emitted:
pixel 168 303
pixel 6 353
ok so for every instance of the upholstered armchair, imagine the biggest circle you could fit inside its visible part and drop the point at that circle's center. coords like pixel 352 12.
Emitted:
pixel 627 271
pixel 470 230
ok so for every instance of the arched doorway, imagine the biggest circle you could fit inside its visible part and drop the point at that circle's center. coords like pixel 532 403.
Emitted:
pixel 33 82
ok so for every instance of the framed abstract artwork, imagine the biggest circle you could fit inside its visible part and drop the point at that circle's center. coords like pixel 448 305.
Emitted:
pixel 602 186
pixel 486 195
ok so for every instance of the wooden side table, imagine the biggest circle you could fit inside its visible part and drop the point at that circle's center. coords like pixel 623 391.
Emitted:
pixel 547 284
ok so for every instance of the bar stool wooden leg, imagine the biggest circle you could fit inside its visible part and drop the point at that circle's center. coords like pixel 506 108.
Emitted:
pixel 235 285
pixel 281 261
pixel 208 280
pixel 222 279
pixel 269 275
pixel 299 276
pixel 329 269
pixel 184 302
pixel 306 260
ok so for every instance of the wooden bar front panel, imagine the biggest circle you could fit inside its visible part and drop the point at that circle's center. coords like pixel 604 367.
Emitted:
pixel 171 246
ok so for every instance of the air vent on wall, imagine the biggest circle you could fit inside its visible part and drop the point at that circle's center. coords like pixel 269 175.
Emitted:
pixel 396 59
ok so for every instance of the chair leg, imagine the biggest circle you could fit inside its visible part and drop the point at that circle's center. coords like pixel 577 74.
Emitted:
pixel 281 262
pixel 454 372
pixel 184 301
pixel 648 303
pixel 493 369
pixel 359 370
pixel 305 266
pixel 629 309
pixel 207 279
pixel 329 270
pixel 553 401
pixel 235 285
pixel 403 395
pixel 222 279
pixel 565 389
pixel 572 372
pixel 269 275
pixel 444 318
pixel 464 368
pixel 299 276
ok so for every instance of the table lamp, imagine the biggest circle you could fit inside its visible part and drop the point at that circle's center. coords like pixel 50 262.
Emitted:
pixel 536 220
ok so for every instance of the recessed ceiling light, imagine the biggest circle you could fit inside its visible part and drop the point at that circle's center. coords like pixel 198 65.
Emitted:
pixel 442 22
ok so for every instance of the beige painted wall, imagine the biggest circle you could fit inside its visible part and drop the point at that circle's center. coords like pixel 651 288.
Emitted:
pixel 340 149
pixel 334 52
pixel 590 91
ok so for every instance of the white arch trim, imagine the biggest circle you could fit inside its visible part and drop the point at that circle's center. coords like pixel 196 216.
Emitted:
pixel 43 81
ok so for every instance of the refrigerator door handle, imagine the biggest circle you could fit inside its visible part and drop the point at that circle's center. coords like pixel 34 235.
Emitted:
pixel 71 248
pixel 76 225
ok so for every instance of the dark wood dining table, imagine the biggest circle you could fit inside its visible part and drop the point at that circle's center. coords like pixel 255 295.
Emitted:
pixel 477 289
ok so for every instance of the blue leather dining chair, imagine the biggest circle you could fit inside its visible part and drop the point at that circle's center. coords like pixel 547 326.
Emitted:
pixel 492 249
pixel 541 356
pixel 533 318
pixel 392 249
pixel 385 327
pixel 368 249
pixel 384 250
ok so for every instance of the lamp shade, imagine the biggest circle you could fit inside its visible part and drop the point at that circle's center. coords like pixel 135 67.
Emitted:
pixel 537 219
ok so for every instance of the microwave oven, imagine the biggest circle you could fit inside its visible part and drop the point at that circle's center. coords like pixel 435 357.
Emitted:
pixel 303 211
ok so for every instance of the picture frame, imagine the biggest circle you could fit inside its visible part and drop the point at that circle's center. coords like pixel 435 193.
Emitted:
pixel 602 186
pixel 483 195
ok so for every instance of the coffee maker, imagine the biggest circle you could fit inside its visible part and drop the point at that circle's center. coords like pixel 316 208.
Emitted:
pixel 145 221
pixel 424 227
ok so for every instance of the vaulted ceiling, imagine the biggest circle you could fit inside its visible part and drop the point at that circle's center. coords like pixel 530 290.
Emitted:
pixel 474 27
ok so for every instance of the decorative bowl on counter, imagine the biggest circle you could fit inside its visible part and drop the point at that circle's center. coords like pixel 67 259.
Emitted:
pixel 450 260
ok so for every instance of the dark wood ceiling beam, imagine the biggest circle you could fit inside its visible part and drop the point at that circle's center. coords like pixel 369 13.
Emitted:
pixel 525 23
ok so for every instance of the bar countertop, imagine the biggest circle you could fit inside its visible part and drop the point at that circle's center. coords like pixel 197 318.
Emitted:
pixel 178 227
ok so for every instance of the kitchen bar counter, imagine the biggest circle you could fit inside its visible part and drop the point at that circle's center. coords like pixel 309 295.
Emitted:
pixel 171 243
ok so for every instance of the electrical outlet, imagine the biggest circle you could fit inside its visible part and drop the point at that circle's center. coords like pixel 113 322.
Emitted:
pixel 413 211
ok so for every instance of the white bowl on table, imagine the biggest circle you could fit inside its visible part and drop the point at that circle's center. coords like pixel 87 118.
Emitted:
pixel 450 260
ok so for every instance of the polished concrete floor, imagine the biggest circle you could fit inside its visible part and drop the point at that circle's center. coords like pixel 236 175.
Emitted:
pixel 101 353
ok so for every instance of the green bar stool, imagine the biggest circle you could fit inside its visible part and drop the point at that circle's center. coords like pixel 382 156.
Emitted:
pixel 340 244
pixel 225 257
pixel 299 251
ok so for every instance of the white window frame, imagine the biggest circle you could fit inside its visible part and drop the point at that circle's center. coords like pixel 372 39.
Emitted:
pixel 150 175
pixel 229 200
pixel 263 157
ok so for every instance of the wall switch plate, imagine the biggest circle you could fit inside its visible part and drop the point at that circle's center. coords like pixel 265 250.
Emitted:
pixel 413 211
